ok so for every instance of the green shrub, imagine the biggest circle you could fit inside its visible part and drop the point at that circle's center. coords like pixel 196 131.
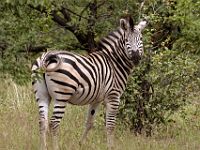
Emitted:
pixel 153 96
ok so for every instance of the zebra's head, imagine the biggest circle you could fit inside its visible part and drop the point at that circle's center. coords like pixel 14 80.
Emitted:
pixel 133 38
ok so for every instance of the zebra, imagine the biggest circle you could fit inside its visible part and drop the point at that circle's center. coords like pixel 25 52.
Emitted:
pixel 99 77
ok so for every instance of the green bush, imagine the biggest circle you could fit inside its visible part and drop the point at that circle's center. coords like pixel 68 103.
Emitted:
pixel 153 96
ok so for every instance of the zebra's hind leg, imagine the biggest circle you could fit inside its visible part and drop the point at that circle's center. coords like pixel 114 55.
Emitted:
pixel 89 121
pixel 58 113
pixel 111 113
pixel 43 100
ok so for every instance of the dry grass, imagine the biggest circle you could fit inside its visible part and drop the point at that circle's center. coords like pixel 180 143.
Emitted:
pixel 19 127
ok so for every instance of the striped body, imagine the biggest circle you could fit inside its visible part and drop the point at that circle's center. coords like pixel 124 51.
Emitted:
pixel 80 80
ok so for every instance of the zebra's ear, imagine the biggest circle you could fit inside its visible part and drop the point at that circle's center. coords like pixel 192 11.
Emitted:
pixel 142 24
pixel 123 24
pixel 126 23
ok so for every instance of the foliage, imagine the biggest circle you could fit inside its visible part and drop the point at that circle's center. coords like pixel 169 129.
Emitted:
pixel 174 24
pixel 20 29
pixel 173 77
pixel 29 27
pixel 163 82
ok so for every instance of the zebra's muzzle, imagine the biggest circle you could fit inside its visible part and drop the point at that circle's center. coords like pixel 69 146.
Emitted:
pixel 135 57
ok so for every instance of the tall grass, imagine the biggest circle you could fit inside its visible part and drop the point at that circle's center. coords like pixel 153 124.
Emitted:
pixel 19 126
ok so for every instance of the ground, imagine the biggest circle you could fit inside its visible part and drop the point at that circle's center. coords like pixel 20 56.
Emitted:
pixel 19 126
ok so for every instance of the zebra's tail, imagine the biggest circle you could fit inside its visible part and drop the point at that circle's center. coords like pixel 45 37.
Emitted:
pixel 50 62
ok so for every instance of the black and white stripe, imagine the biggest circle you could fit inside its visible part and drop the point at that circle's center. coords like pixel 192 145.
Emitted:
pixel 80 80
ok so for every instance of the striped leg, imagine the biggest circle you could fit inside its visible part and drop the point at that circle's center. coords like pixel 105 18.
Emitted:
pixel 111 112
pixel 43 124
pixel 43 100
pixel 89 121
pixel 58 113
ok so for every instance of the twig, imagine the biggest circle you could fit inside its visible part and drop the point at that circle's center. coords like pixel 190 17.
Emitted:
pixel 86 7
pixel 104 16
pixel 76 14
pixel 65 13
pixel 101 4
pixel 141 8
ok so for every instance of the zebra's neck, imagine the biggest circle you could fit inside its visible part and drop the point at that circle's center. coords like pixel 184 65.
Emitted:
pixel 113 46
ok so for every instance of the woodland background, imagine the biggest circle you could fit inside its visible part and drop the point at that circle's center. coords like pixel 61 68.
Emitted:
pixel 161 105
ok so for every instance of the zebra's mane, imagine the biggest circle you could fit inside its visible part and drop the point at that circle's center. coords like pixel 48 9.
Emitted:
pixel 110 34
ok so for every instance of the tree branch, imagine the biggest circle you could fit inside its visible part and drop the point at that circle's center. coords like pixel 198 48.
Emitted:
pixel 38 8
pixel 84 9
pixel 66 14
pixel 36 49
pixel 61 21
pixel 85 39
pixel 81 37
pixel 101 4
pixel 80 16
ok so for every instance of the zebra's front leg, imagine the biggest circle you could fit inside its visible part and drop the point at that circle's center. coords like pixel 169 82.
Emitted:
pixel 111 113
pixel 89 121
pixel 58 113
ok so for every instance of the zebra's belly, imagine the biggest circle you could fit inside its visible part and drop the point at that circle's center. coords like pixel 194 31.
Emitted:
pixel 78 95
pixel 81 96
pixel 85 95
